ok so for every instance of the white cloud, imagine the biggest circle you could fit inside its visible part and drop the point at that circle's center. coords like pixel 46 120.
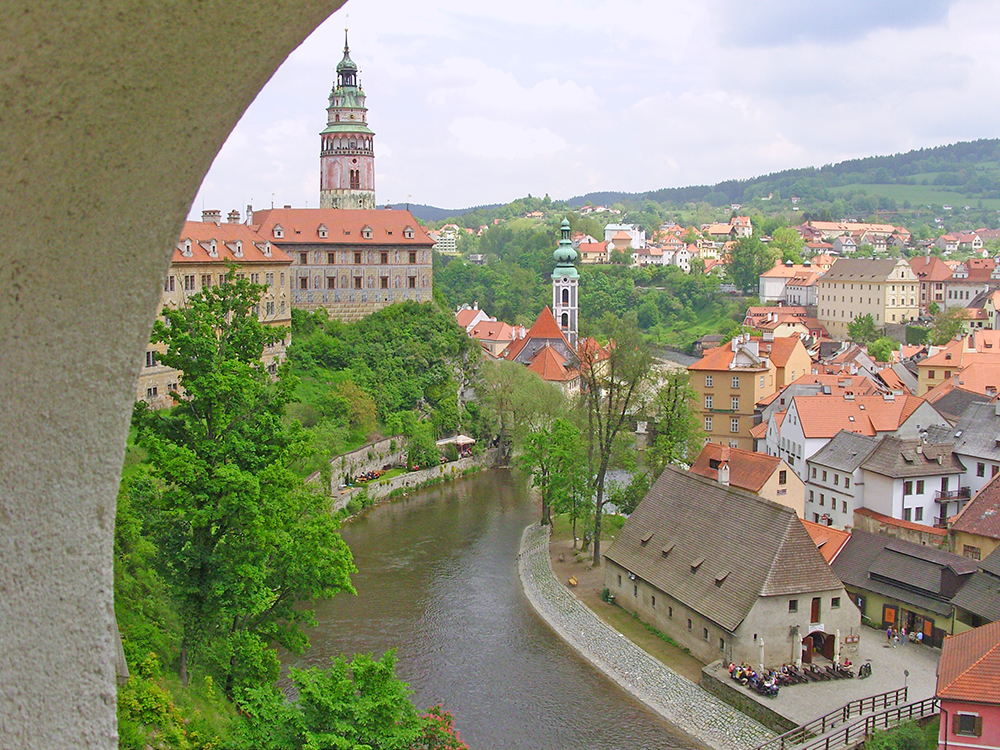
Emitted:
pixel 495 139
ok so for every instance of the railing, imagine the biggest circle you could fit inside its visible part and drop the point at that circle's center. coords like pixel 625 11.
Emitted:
pixel 816 727
pixel 946 495
pixel 855 733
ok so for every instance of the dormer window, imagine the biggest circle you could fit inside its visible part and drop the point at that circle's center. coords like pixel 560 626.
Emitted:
pixel 322 231
pixel 187 249
pixel 278 231
pixel 366 232
pixel 213 249
pixel 239 249
pixel 267 249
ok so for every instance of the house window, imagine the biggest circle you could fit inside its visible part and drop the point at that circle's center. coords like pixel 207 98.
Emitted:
pixel 708 381
pixel 762 379
pixel 814 472
pixel 383 258
pixel 151 392
pixel 918 514
pixel 635 590
pixel 907 514
pixel 736 381
pixel 357 258
pixel 331 282
pixel 836 480
pixel 653 600
pixel 843 507
pixel 908 487
pixel 704 633
pixel 835 603
pixel 383 282
pixel 722 644
pixel 270 308
pixel 847 483
pixel 822 499
pixel 331 259
pixel 619 579
pixel 150 359
pixel 734 403
pixel 269 278
pixel 920 486
pixel 734 425
pixel 189 283
pixel 708 424
pixel 168 285
pixel 973 553
pixel 689 623
pixel 782 477
pixel 793 605
pixel 824 475
pixel 357 282
pixel 980 470
pixel 930 374
pixel 708 402
pixel 206 281
pixel 670 612
pixel 304 282
pixel 412 282
pixel 282 279
pixel 970 725
pixel 412 257
pixel 812 498
pixel 303 259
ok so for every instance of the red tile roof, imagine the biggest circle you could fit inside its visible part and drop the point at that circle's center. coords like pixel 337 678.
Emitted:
pixel 226 236
pixel 825 416
pixel 747 470
pixel 909 525
pixel 930 268
pixel 544 327
pixel 969 668
pixel 782 348
pixel 492 330
pixel 343 226
pixel 982 514
pixel 550 365
pixel 828 539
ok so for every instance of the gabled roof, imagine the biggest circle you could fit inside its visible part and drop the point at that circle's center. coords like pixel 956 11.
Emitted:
pixel 977 431
pixel 781 349
pixel 981 516
pixel 930 268
pixel 860 269
pixel 226 236
pixel 466 315
pixel 544 327
pixel 969 668
pixel 550 365
pixel 846 451
pixel 717 549
pixel 829 541
pixel 748 470
pixel 492 330
pixel 899 459
pixel 825 416
pixel 301 226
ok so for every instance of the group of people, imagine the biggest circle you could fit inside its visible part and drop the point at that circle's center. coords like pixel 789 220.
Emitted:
pixel 895 637
pixel 765 683
pixel 368 476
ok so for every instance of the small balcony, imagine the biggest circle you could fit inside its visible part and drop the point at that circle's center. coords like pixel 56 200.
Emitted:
pixel 945 496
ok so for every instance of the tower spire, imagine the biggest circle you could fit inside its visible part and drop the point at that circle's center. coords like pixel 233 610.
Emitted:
pixel 565 285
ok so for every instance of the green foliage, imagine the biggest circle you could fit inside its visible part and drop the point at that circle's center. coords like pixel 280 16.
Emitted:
pixel 908 736
pixel 674 424
pixel 748 259
pixel 241 541
pixel 553 455
pixel 518 401
pixel 788 244
pixel 882 348
pixel 917 335
pixel 422 452
pixel 947 325
pixel 862 329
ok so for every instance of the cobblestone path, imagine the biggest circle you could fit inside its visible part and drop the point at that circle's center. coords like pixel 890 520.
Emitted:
pixel 676 698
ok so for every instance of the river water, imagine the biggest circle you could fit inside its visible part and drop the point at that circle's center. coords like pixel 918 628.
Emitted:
pixel 438 581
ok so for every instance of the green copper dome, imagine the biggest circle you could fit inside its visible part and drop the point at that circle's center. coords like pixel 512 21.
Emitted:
pixel 565 255
pixel 347 63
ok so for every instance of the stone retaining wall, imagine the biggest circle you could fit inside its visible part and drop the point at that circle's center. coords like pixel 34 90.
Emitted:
pixel 735 695
pixel 681 702
pixel 372 457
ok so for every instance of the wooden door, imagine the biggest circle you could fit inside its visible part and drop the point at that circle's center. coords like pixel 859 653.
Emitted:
pixel 807 650
pixel 815 610
pixel 889 615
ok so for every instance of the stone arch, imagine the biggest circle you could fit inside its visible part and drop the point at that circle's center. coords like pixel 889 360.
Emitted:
pixel 58 667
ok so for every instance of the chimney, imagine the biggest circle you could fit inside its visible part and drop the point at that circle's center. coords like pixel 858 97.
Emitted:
pixel 724 474
pixel 249 214
pixel 212 216
pixel 233 217
pixel 920 448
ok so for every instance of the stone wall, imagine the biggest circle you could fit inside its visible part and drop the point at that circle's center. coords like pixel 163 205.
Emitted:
pixel 372 457
pixel 929 536
pixel 715 680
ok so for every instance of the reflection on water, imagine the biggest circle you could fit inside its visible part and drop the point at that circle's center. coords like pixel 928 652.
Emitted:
pixel 438 581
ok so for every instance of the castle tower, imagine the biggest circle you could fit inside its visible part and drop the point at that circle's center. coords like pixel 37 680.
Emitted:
pixel 566 286
pixel 347 156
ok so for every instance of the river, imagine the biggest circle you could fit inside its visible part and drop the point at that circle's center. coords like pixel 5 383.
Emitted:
pixel 438 581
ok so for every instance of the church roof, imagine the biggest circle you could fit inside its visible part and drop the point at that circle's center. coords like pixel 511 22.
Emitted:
pixel 550 365
pixel 545 327
pixel 301 226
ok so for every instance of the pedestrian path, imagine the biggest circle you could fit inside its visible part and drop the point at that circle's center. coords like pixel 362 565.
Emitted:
pixel 677 699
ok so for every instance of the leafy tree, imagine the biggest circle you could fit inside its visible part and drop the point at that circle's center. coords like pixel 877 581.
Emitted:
pixel 422 450
pixel 613 390
pixel 788 244
pixel 242 541
pixel 947 325
pixel 553 457
pixel 520 401
pixel 882 348
pixel 862 329
pixel 675 424
pixel 748 259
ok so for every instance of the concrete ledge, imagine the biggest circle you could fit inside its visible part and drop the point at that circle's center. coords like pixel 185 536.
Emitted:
pixel 736 695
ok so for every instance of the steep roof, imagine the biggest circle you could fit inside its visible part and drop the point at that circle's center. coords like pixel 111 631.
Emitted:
pixel 782 348
pixel 897 458
pixel 343 226
pixel 981 516
pixel 550 365
pixel 977 431
pixel 846 451
pixel 969 668
pixel 950 401
pixel 930 268
pixel 860 269
pixel 829 541
pixel 748 470
pixel 825 416
pixel 228 238
pixel 717 549
pixel 544 327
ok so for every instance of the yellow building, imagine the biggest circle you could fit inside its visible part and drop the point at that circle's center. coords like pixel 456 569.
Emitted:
pixel 980 348
pixel 729 381
pixel 199 263
pixel 886 289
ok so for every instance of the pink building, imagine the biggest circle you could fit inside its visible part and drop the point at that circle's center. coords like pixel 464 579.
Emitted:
pixel 968 687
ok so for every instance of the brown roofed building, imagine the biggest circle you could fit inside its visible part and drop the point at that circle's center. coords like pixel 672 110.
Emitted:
pixel 933 274
pixel 975 532
pixel 886 289
pixel 757 473
pixel 351 262
pixel 725 573
pixel 968 687
pixel 951 359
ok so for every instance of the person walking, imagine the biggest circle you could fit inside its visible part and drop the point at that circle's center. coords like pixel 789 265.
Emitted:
pixel 888 634
pixel 902 633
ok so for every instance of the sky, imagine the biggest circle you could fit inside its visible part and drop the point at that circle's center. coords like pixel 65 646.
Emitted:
pixel 475 103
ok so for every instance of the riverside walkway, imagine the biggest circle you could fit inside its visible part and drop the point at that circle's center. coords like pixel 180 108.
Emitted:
pixel 675 698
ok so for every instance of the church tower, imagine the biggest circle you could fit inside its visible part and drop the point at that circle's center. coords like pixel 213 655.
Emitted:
pixel 566 286
pixel 347 156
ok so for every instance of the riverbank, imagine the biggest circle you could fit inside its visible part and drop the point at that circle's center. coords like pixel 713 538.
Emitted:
pixel 673 696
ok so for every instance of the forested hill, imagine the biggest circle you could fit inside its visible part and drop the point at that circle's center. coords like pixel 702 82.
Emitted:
pixel 968 168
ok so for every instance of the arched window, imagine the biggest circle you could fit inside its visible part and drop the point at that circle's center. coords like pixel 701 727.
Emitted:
pixel 565 320
pixel 565 296
pixel 336 118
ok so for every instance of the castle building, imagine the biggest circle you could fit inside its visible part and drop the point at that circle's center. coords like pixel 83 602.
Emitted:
pixel 347 156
